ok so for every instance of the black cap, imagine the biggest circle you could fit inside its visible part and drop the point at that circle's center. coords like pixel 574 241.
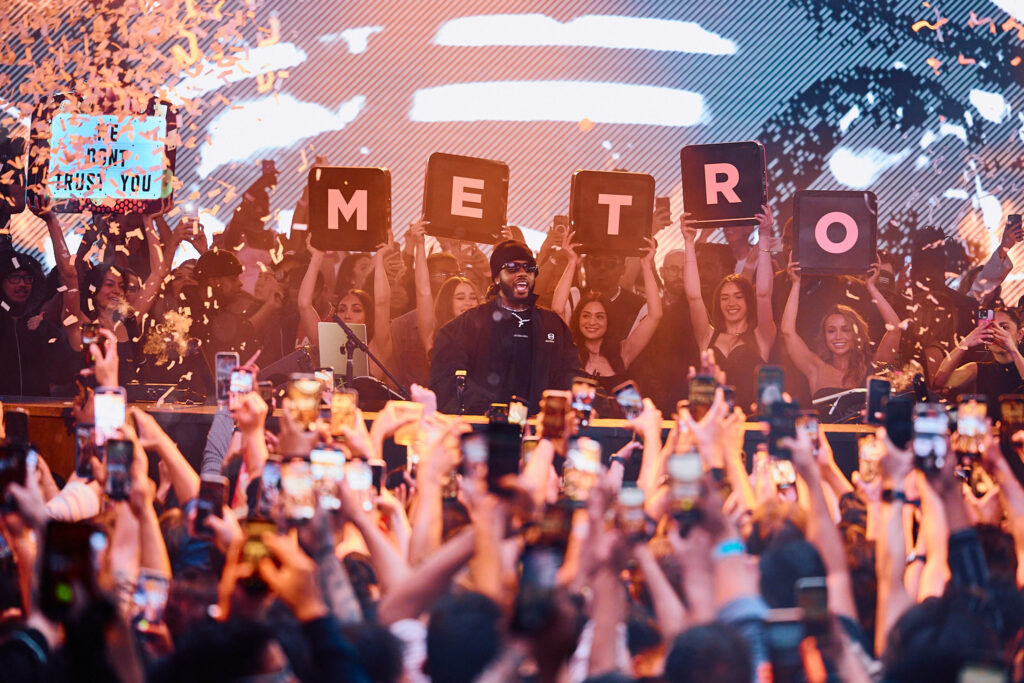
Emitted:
pixel 217 263
pixel 510 250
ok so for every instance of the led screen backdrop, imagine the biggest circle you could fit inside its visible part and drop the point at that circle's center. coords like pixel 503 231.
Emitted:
pixel 920 104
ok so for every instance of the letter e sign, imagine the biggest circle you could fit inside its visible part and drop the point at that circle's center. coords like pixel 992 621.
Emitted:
pixel 349 207
pixel 724 184
pixel 835 232
pixel 465 197
pixel 611 211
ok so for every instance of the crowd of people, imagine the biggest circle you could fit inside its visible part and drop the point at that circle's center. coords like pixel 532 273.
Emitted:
pixel 297 554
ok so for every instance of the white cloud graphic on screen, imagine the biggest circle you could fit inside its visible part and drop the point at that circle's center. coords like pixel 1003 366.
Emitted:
pixel 258 60
pixel 357 39
pixel 560 101
pixel 636 33
pixel 269 123
pixel 859 169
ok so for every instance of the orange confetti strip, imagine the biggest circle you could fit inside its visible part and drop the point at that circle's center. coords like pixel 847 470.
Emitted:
pixel 1011 24
pixel 918 25
pixel 965 60
pixel 1015 61
pixel 934 64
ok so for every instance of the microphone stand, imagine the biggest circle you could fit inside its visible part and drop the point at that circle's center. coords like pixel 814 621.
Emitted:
pixel 352 343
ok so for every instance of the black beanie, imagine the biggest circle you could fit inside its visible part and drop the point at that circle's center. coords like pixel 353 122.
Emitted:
pixel 217 263
pixel 509 250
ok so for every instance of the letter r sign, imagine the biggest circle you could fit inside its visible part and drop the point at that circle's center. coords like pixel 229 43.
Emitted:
pixel 724 184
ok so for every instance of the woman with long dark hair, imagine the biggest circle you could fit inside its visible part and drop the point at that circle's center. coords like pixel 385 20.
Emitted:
pixel 602 357
pixel 842 356
pixel 740 329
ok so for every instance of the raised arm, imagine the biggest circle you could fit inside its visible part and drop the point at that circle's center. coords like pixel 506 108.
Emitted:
pixel 68 274
pixel 702 330
pixel 765 280
pixel 160 258
pixel 382 300
pixel 951 374
pixel 421 277
pixel 802 356
pixel 888 347
pixel 641 335
pixel 308 317
pixel 560 299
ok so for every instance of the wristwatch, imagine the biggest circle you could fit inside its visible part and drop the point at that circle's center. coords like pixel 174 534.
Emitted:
pixel 892 495
pixel 619 459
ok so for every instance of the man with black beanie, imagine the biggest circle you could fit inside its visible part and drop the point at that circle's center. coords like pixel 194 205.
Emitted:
pixel 508 346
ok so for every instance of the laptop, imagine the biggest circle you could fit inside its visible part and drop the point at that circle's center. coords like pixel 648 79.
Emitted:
pixel 331 342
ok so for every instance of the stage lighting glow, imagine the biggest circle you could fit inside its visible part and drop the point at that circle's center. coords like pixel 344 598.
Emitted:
pixel 858 170
pixel 991 105
pixel 357 39
pixel 560 101
pixel 258 60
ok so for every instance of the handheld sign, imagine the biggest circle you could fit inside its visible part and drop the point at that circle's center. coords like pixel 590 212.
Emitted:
pixel 103 163
pixel 465 198
pixel 611 211
pixel 834 232
pixel 724 184
pixel 349 207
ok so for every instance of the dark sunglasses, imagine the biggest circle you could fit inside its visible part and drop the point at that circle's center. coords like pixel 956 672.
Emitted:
pixel 514 267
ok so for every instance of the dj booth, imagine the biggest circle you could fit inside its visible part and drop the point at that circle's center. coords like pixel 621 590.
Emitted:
pixel 50 430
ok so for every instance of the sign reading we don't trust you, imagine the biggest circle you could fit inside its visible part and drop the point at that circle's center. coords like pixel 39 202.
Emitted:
pixel 106 156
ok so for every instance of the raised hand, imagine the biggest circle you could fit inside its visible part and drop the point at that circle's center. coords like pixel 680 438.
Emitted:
pixel 765 223
pixel 794 272
pixel 687 227
pixel 569 245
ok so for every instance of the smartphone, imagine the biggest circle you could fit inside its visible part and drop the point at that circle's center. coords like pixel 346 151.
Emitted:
pixel 1013 222
pixel 983 673
pixel 663 204
pixel 213 490
pixel 109 411
pixel 328 468
pixel 254 550
pixel 71 553
pixel 877 397
pixel 702 395
pixel 304 399
pixel 782 416
pixel 149 600
pixel 85 448
pixel 1011 415
pixel 91 335
pixel 627 395
pixel 16 425
pixel 931 428
pixel 377 472
pixel 269 499
pixel 868 457
pixel 581 471
pixel 359 476
pixel 559 226
pixel 497 413
pixel 326 378
pixel 119 455
pixel 17 459
pixel 529 445
pixel 782 474
pixel 518 411
pixel 224 364
pixel 243 381
pixel 629 513
pixel 729 395
pixel 584 390
pixel 971 425
pixel 807 423
pixel 503 450
pixel 298 498
pixel 899 421
pixel 554 405
pixel 407 434
pixel 812 599
pixel 343 410
pixel 685 471
pixel 771 381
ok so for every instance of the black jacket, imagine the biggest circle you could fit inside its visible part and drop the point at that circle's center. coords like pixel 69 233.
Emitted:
pixel 467 343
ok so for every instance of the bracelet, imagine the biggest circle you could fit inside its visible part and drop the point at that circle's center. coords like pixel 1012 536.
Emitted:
pixel 617 459
pixel 893 495
pixel 914 557
pixel 764 251
pixel 730 547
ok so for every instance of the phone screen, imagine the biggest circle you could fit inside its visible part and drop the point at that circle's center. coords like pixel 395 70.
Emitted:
pixel 270 490
pixel 807 423
pixel 554 405
pixel 812 598
pixel 899 421
pixel 518 412
pixel 70 561
pixel 359 476
pixel 109 409
pixel 407 434
pixel 14 463
pixel 931 427
pixel 503 449
pixel 343 410
pixel 782 416
pixel 304 399
pixel 629 399
pixel 119 461
pixel 328 468
pixel 85 448
pixel 149 599
pixel 242 381
pixel 1011 414
pixel 254 550
pixel 298 498
pixel 224 365
pixel 377 468
pixel 16 425
pixel 770 385
pixel 877 398
pixel 702 395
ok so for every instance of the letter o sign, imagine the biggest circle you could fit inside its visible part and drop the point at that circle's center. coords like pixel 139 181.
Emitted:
pixel 821 232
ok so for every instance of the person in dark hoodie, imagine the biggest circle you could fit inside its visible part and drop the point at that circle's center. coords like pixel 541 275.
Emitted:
pixel 34 353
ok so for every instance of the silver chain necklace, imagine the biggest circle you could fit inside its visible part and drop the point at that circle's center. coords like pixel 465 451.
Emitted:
pixel 522 321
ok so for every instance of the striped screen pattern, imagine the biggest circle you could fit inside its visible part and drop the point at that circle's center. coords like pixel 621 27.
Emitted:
pixel 920 104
